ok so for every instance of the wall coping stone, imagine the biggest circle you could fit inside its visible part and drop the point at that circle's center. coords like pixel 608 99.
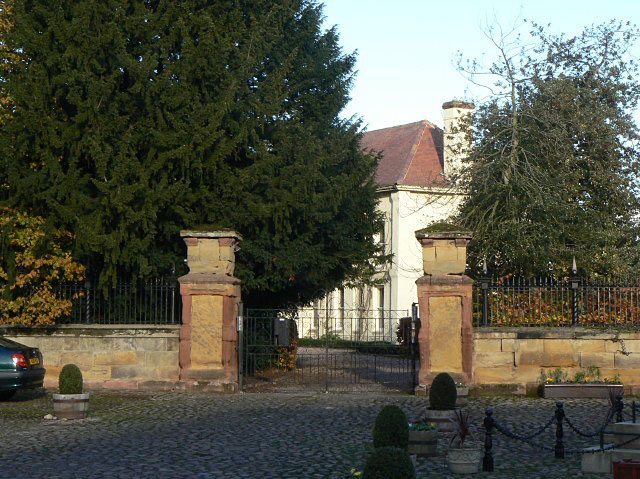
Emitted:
pixel 103 330
pixel 550 333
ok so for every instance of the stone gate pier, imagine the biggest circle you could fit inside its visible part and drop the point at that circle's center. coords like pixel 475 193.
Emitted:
pixel 445 300
pixel 210 297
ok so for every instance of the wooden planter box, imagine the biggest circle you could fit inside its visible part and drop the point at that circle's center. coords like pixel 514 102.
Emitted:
pixel 581 390
pixel 463 396
pixel 423 443
pixel 626 470
pixel 441 419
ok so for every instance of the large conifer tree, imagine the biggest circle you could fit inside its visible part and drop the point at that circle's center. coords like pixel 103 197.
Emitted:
pixel 133 120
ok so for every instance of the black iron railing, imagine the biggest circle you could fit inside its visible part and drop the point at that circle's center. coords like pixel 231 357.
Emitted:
pixel 155 301
pixel 572 301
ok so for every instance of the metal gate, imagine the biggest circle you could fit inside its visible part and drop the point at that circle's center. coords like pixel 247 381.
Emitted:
pixel 327 350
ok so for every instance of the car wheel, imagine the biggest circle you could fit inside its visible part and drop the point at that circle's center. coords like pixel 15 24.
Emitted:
pixel 6 395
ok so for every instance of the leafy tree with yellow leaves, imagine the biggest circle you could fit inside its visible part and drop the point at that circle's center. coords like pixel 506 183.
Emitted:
pixel 33 258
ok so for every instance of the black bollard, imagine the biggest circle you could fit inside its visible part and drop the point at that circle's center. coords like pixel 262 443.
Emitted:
pixel 619 408
pixel 559 449
pixel 633 411
pixel 487 460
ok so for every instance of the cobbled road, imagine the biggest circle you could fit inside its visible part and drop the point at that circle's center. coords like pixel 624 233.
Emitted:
pixel 261 435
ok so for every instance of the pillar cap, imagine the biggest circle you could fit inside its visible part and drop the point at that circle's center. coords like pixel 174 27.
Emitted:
pixel 467 105
pixel 443 231
pixel 210 234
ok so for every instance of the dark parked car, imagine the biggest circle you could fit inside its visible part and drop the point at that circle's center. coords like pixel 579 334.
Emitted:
pixel 20 367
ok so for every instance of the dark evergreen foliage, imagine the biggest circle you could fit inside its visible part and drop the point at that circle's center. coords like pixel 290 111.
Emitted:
pixel 443 393
pixel 391 428
pixel 135 120
pixel 70 380
pixel 389 463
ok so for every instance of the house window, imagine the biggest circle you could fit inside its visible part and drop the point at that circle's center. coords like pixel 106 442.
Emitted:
pixel 316 314
pixel 381 308
pixel 341 311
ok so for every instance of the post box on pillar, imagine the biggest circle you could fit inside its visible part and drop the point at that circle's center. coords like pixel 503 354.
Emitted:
pixel 445 301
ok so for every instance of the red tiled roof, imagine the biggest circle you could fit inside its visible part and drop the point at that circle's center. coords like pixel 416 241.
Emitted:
pixel 411 154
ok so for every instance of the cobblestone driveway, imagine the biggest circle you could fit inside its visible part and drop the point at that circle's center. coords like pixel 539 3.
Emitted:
pixel 270 435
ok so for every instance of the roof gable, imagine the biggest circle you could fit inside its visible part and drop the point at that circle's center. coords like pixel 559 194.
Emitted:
pixel 411 154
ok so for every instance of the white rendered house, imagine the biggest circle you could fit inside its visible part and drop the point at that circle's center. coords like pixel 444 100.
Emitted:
pixel 414 191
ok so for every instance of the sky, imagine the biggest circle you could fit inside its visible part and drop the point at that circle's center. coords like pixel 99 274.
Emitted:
pixel 406 48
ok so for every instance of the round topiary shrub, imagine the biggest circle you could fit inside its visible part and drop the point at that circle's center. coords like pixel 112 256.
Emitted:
pixel 443 394
pixel 70 380
pixel 389 463
pixel 391 428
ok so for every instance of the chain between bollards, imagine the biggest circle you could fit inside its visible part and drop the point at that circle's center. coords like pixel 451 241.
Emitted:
pixel 559 448
pixel 487 460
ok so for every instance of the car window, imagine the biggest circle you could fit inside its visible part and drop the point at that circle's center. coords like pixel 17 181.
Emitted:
pixel 7 343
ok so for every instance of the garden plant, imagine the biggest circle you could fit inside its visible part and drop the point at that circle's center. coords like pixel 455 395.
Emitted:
pixel 389 463
pixel 70 380
pixel 391 429
pixel 443 394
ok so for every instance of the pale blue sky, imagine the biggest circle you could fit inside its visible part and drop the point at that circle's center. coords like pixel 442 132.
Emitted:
pixel 406 47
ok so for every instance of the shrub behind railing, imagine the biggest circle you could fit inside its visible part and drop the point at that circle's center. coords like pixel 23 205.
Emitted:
pixel 515 301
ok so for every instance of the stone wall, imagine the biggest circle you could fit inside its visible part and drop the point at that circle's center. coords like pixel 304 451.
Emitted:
pixel 515 356
pixel 114 357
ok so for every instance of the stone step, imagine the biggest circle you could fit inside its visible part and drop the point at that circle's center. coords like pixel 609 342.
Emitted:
pixel 600 462
pixel 624 427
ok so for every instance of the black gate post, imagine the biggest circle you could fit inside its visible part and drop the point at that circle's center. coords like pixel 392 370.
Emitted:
pixel 326 352
pixel 240 345
pixel 87 288
pixel 414 342
pixel 559 449
pixel 487 461
pixel 574 281
pixel 619 408
pixel 484 287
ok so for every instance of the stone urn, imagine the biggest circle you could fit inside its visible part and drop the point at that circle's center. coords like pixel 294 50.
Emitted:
pixel 71 406
pixel 423 443
pixel 465 459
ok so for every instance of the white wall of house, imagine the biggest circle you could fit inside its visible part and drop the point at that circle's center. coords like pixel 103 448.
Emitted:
pixel 406 209
pixel 416 208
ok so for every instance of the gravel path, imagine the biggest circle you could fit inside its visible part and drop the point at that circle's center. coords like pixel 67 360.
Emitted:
pixel 337 370
pixel 261 435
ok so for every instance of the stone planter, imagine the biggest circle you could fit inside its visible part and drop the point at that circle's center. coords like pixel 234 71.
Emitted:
pixel 464 460
pixel 423 443
pixel 463 396
pixel 441 419
pixel 71 406
pixel 581 390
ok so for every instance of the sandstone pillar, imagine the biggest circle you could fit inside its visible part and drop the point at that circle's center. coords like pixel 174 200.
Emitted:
pixel 445 300
pixel 210 297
